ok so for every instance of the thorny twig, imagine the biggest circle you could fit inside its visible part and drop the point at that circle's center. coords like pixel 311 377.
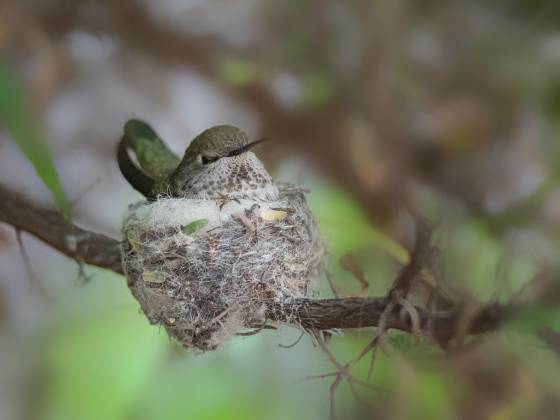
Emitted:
pixel 377 340
pixel 396 296
pixel 342 372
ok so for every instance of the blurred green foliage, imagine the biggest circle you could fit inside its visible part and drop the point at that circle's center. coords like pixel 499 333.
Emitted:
pixel 25 130
pixel 237 72
pixel 347 228
pixel 103 360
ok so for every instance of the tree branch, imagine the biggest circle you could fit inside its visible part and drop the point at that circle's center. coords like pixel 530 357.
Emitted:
pixel 99 250
pixel 359 312
pixel 53 229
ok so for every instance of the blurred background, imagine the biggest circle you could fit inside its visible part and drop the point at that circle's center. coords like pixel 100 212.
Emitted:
pixel 450 107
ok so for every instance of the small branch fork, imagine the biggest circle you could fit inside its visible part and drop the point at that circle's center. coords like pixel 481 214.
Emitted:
pixel 395 311
pixel 313 315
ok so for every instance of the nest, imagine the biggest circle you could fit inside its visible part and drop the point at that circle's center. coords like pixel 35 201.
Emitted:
pixel 205 270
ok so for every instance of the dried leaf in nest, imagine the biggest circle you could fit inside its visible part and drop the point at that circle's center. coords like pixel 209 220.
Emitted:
pixel 153 277
pixel 272 215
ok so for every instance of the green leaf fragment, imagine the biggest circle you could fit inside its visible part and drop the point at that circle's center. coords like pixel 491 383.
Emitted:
pixel 195 226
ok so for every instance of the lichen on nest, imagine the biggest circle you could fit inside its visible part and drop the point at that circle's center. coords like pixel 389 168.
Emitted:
pixel 206 269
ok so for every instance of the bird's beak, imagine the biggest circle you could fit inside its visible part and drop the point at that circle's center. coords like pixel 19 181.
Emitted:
pixel 247 147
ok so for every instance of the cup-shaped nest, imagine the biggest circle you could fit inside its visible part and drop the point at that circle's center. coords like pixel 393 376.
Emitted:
pixel 206 269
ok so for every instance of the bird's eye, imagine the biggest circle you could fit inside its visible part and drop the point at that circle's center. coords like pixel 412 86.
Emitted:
pixel 206 159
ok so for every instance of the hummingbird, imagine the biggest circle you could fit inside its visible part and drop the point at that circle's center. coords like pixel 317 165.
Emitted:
pixel 217 240
pixel 217 165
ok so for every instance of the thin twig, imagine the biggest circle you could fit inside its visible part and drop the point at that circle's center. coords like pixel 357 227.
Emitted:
pixel 33 280
pixel 295 343
pixel 348 263
pixel 335 291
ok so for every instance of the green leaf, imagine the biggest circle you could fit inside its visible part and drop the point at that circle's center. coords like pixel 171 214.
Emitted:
pixel 25 130
pixel 195 226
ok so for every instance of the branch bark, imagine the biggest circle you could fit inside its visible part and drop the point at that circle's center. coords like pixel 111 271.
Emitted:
pixel 99 250
pixel 358 312
pixel 53 229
